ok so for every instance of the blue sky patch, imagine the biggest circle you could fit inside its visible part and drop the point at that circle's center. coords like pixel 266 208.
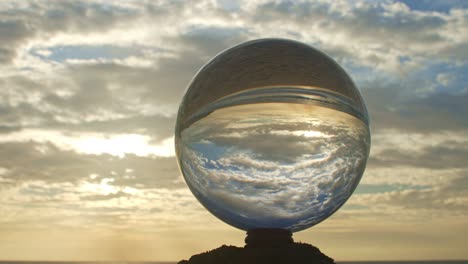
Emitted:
pixel 91 52
pixel 443 6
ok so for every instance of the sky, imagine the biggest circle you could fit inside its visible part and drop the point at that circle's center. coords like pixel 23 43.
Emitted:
pixel 89 91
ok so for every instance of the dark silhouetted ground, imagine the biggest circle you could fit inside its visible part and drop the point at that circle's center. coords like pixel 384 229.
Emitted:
pixel 265 246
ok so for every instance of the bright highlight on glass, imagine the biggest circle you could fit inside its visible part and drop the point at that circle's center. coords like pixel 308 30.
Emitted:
pixel 272 134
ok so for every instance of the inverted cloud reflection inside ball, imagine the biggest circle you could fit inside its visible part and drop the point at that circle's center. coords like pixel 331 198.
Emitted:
pixel 272 134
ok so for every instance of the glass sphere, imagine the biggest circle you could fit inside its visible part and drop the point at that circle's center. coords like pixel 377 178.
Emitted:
pixel 272 133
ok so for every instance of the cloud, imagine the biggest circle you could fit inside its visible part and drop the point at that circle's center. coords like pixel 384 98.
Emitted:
pixel 376 35
pixel 444 78
pixel 24 161
pixel 25 22
pixel 13 33
pixel 437 157
pixel 70 206
pixel 444 198
pixel 400 106
pixel 89 89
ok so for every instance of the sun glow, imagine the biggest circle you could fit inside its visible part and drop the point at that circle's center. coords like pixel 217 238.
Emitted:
pixel 102 188
pixel 302 133
pixel 96 143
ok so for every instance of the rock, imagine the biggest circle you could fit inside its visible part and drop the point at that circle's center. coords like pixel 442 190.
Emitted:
pixel 297 253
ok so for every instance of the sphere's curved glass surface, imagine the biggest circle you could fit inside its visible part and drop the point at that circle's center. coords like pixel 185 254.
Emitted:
pixel 272 134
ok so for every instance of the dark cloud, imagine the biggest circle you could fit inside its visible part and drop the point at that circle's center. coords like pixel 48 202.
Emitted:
pixel 12 33
pixel 435 157
pixel 210 40
pixel 93 96
pixel 366 21
pixel 442 198
pixel 80 16
pixel 394 105
pixel 295 11
pixel 456 52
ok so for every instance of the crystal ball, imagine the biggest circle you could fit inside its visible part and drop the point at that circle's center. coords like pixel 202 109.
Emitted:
pixel 272 133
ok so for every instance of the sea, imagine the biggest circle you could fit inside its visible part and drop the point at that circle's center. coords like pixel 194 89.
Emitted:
pixel 175 262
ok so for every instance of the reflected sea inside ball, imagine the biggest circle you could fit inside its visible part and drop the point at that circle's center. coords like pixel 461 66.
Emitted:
pixel 266 160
